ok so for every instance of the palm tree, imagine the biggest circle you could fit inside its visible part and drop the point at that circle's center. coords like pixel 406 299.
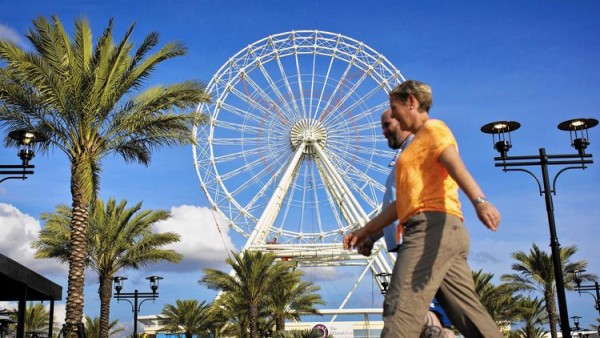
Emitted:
pixel 230 317
pixel 500 301
pixel 293 299
pixel 92 327
pixel 532 313
pixel 118 237
pixel 255 275
pixel 187 315
pixel 534 272
pixel 37 318
pixel 88 100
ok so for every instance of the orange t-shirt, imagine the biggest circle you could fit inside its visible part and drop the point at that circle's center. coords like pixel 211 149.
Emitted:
pixel 422 182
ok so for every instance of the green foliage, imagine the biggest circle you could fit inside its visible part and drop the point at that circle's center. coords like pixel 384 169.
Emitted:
pixel 92 327
pixel 500 301
pixel 534 272
pixel 86 96
pixel 261 292
pixel 188 316
pixel 118 237
pixel 37 318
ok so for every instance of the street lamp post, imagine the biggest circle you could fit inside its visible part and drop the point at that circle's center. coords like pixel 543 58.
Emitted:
pixel 585 288
pixel 578 130
pixel 136 305
pixel 25 139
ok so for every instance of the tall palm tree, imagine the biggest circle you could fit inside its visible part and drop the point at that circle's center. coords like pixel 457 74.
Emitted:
pixel 532 314
pixel 500 301
pixel 118 237
pixel 92 327
pixel 255 275
pixel 88 100
pixel 293 299
pixel 188 315
pixel 534 272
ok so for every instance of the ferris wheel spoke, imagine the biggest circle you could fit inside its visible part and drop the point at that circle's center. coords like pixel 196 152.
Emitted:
pixel 358 118
pixel 252 103
pixel 241 113
pixel 338 119
pixel 324 86
pixel 327 109
pixel 312 81
pixel 351 64
pixel 246 153
pixel 272 105
pixel 242 169
pixel 275 90
pixel 252 204
pixel 236 127
pixel 300 86
pixel 286 82
pixel 231 141
pixel 346 97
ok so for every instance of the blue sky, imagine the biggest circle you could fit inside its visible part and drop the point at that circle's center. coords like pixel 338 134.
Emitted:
pixel 536 62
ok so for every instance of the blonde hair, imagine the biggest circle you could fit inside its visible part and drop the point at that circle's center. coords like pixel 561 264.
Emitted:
pixel 420 90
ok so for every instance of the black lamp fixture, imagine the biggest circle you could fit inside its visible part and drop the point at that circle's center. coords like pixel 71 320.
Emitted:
pixel 136 296
pixel 500 131
pixel 576 323
pixel 577 279
pixel 154 281
pixel 502 142
pixel 25 139
pixel 384 281
pixel 579 129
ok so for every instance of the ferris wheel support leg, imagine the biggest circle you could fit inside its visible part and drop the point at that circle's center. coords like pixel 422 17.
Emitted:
pixel 265 222
pixel 360 278
pixel 337 179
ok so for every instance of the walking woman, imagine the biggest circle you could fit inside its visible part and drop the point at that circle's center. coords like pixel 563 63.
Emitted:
pixel 432 259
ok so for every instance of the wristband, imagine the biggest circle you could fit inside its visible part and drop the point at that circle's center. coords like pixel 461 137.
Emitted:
pixel 479 200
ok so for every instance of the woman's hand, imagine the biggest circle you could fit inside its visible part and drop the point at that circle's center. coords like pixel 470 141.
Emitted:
pixel 488 215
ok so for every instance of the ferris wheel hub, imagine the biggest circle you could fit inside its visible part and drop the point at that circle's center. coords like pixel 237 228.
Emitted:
pixel 308 131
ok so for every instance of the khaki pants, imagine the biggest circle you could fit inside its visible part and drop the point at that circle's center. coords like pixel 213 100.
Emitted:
pixel 432 261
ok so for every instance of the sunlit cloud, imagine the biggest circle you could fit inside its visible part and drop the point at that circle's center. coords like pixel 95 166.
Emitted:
pixel 203 244
pixel 9 34
pixel 19 231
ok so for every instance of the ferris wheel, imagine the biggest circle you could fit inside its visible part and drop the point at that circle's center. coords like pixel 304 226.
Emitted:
pixel 292 156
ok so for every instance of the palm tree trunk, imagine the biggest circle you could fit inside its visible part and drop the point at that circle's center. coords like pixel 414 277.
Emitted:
pixel 253 318
pixel 551 309
pixel 104 290
pixel 78 246
pixel 279 323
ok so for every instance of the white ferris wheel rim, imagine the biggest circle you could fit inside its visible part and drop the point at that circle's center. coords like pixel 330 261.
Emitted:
pixel 302 112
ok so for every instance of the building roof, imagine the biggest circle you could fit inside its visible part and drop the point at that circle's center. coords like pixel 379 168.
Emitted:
pixel 16 278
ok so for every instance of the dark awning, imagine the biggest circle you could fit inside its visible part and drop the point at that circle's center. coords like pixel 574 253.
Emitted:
pixel 14 277
pixel 21 284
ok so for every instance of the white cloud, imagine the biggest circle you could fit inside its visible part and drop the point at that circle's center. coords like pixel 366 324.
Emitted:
pixel 201 242
pixel 19 230
pixel 320 274
pixel 7 33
